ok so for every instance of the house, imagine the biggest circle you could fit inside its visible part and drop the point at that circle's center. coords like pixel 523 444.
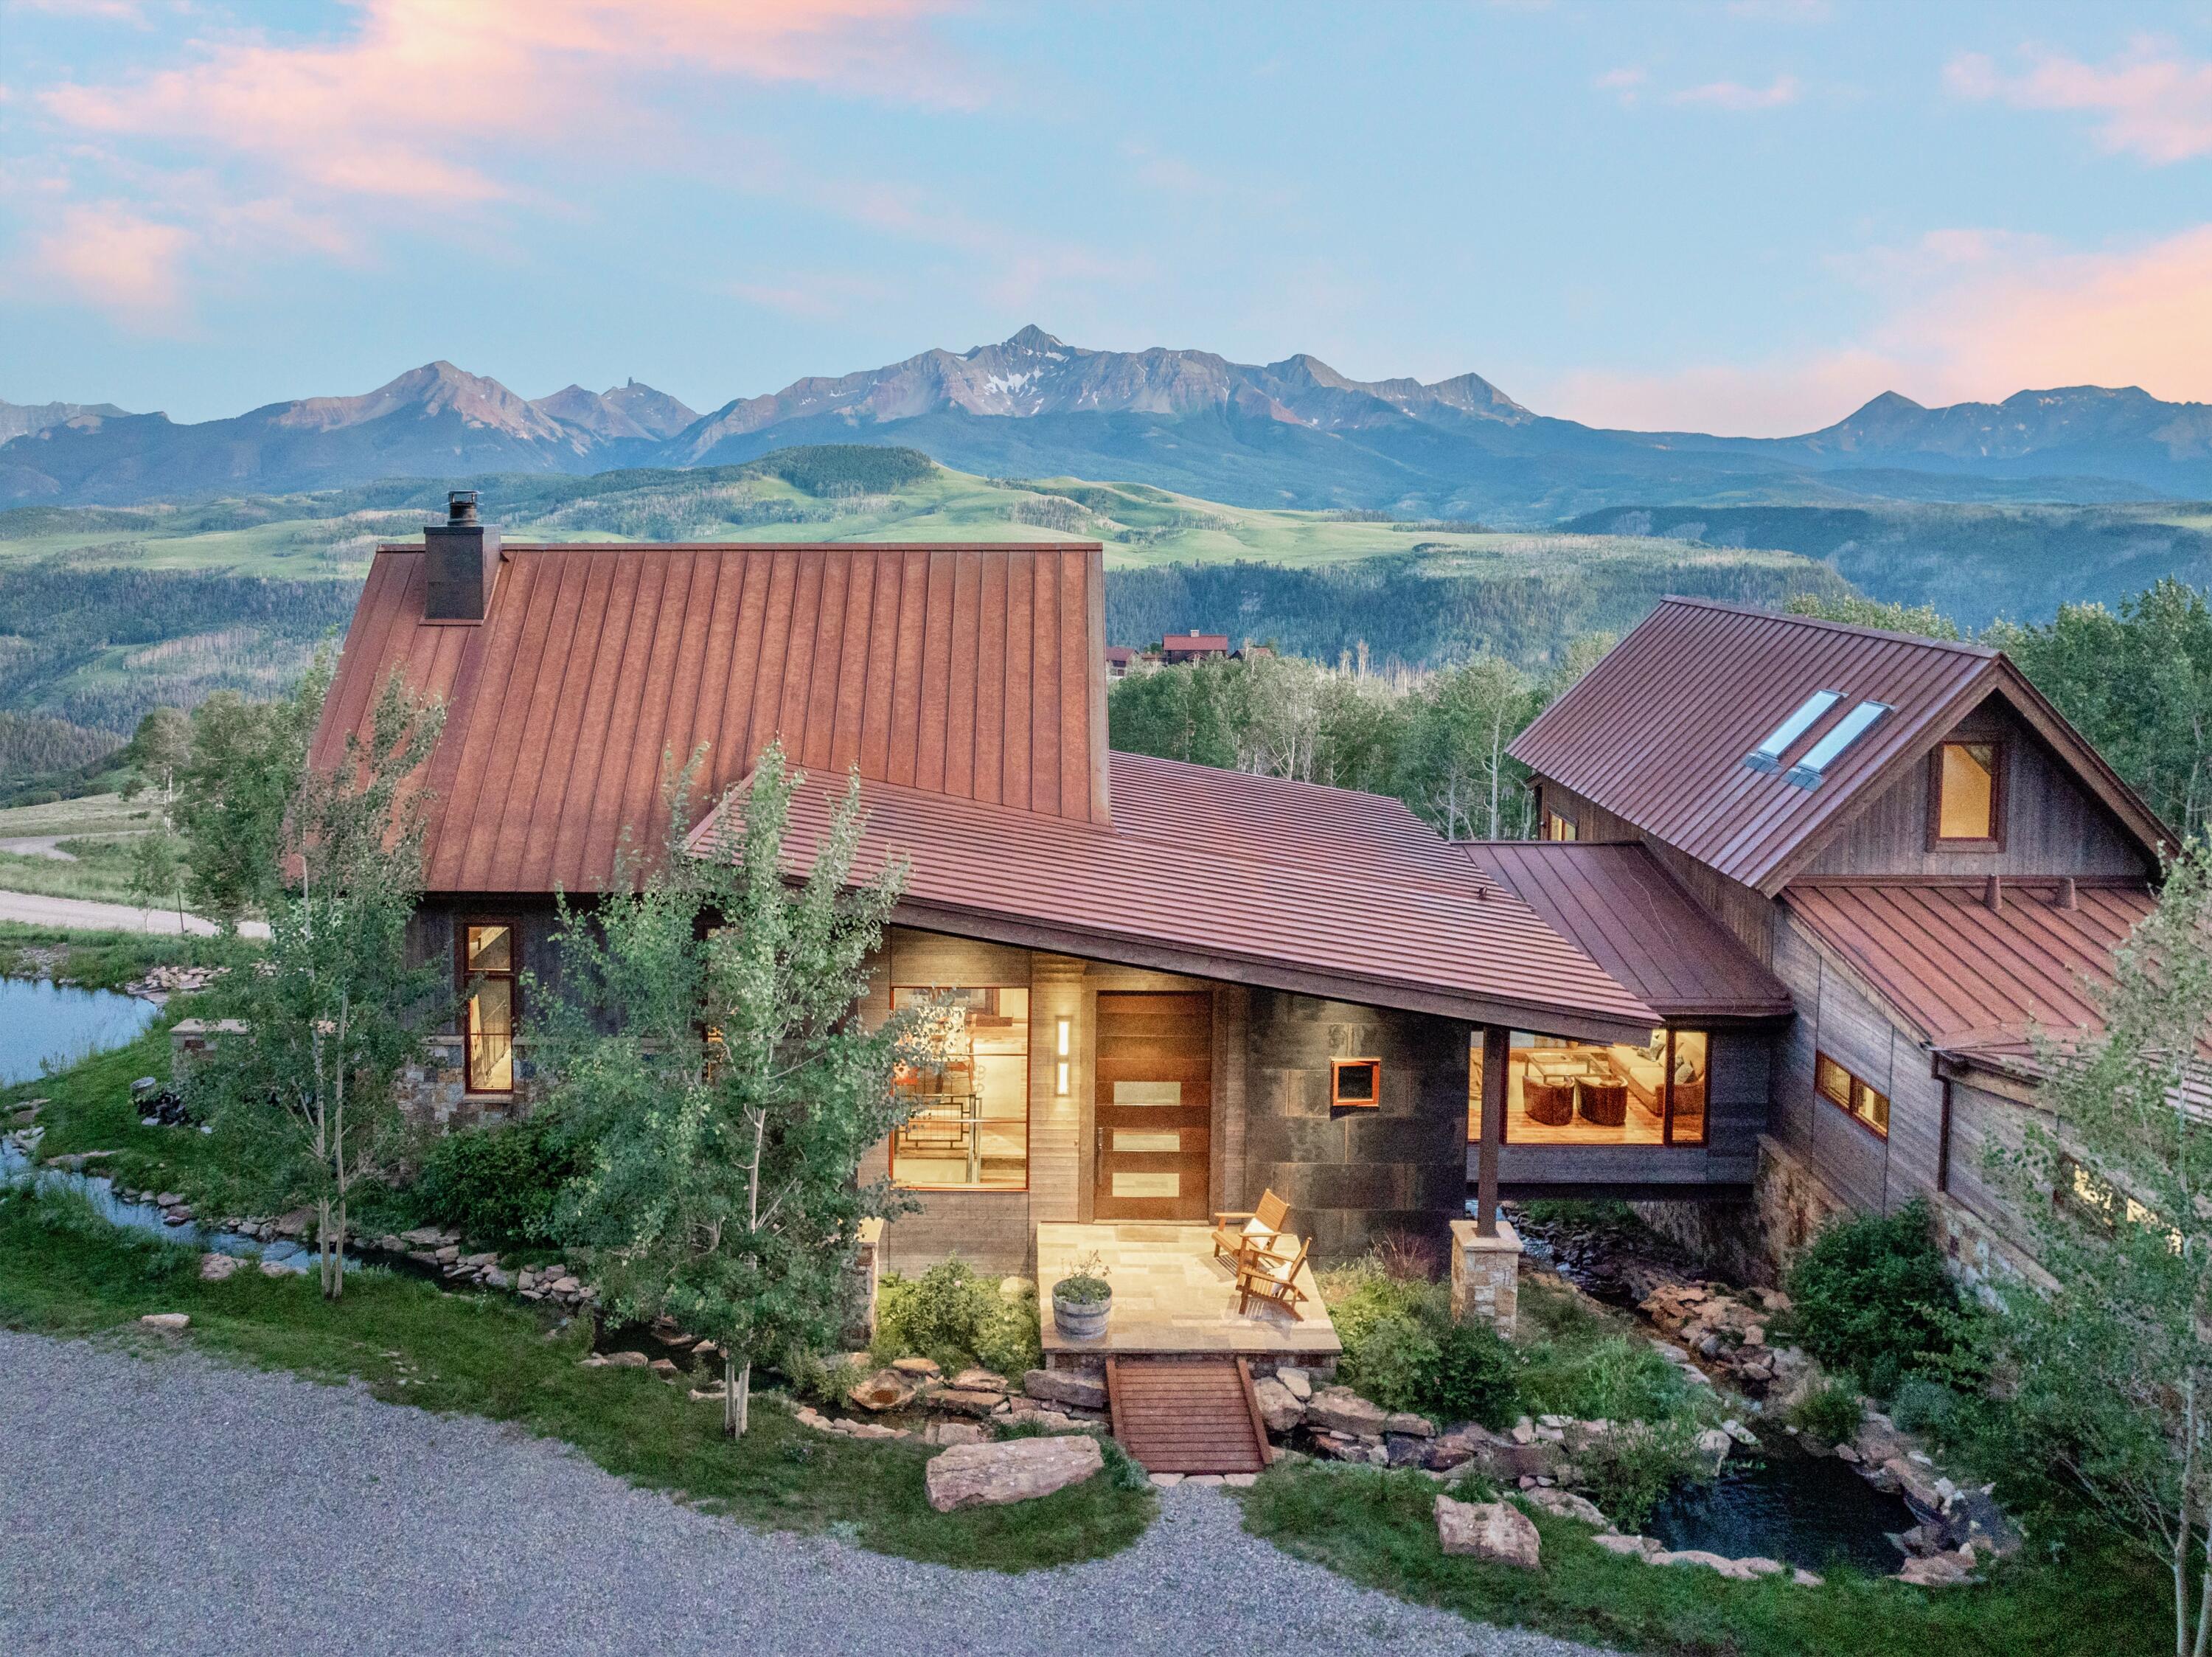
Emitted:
pixel 1804 890
pixel 1177 648
pixel 1120 658
pixel 1903 832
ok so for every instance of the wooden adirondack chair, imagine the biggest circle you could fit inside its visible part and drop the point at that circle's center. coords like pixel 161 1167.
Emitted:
pixel 1235 1233
pixel 1272 1277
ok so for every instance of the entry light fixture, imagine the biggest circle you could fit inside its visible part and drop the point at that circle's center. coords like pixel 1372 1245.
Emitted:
pixel 1060 1085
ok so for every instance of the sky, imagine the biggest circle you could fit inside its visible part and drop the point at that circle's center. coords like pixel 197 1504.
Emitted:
pixel 1735 215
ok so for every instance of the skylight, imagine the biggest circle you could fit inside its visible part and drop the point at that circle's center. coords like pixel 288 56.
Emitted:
pixel 1767 756
pixel 1806 772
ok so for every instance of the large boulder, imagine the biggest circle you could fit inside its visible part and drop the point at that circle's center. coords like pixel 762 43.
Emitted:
pixel 1065 1386
pixel 1492 1532
pixel 1566 1504
pixel 1019 1470
pixel 886 1389
pixel 1278 1407
pixel 1341 1409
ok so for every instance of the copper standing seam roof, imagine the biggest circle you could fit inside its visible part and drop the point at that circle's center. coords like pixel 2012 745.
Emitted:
pixel 1623 909
pixel 1656 733
pixel 1251 879
pixel 966 670
pixel 1973 980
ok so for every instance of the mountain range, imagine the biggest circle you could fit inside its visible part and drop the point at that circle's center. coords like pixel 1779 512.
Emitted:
pixel 1290 434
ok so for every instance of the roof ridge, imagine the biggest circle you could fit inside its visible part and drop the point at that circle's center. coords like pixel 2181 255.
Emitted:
pixel 1984 652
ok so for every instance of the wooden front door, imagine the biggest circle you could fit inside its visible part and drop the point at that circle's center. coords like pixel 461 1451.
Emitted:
pixel 1155 1105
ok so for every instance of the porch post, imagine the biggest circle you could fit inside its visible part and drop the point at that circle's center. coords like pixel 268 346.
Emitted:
pixel 1495 1038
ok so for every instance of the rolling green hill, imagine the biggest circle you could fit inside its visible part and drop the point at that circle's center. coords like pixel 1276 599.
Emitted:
pixel 107 611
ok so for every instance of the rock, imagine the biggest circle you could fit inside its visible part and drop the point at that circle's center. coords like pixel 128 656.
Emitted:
pixel 1524 1431
pixel 1637 1547
pixel 922 1368
pixel 1051 1420
pixel 1566 1504
pixel 592 1360
pixel 496 1277
pixel 707 1395
pixel 295 1223
pixel 1711 1561
pixel 1760 1565
pixel 169 1322
pixel 1714 1445
pixel 626 1359
pixel 962 1402
pixel 886 1389
pixel 275 1269
pixel 449 1255
pixel 1296 1381
pixel 1404 1421
pixel 954 1432
pixel 1939 1570
pixel 1805 1579
pixel 979 1380
pixel 665 1367
pixel 1741 1434
pixel 1403 1450
pixel 1019 1470
pixel 1240 1481
pixel 1492 1532
pixel 1167 1481
pixel 1065 1386
pixel 1341 1409
pixel 1844 1453
pixel 1278 1408
pixel 168 1199
pixel 215 1268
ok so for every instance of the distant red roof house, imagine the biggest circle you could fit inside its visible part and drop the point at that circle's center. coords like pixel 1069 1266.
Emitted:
pixel 1118 658
pixel 1194 647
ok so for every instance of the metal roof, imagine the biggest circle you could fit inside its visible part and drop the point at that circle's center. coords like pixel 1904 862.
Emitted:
pixel 1657 732
pixel 1250 880
pixel 967 670
pixel 1623 909
pixel 1975 980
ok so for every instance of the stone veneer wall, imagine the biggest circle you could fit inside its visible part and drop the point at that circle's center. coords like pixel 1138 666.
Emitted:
pixel 1350 1173
pixel 1752 1242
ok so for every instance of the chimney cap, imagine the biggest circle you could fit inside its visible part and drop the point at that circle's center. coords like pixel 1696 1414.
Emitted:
pixel 460 506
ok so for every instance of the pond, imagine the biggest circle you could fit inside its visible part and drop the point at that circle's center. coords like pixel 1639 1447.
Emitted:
pixel 46 1026
pixel 1779 1503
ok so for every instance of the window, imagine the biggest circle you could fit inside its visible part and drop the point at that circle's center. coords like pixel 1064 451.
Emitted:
pixel 970 1130
pixel 1966 795
pixel 1559 1092
pixel 1356 1082
pixel 490 963
pixel 1847 1093
pixel 1807 772
pixel 1557 824
pixel 1767 756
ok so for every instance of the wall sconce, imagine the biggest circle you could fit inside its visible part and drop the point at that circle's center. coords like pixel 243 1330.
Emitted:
pixel 1060 1088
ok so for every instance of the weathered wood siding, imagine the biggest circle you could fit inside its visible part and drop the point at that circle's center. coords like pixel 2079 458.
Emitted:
pixel 2052 825
pixel 1749 914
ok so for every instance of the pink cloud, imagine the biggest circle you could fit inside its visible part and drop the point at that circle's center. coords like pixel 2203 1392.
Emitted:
pixel 1734 95
pixel 2155 103
pixel 1966 315
pixel 1625 84
pixel 105 255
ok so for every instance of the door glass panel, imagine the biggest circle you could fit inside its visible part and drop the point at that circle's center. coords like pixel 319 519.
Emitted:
pixel 491 949
pixel 1148 1092
pixel 491 1037
pixel 1127 1183
pixel 1139 1139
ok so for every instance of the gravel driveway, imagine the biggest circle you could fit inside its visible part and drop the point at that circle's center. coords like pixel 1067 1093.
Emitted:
pixel 167 1504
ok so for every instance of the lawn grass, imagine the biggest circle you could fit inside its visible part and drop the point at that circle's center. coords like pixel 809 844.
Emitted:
pixel 1378 1528
pixel 409 1342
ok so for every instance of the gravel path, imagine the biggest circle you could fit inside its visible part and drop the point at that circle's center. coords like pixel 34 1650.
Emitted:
pixel 84 914
pixel 337 1524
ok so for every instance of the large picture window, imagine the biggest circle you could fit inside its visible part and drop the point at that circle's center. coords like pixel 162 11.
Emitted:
pixel 970 1130
pixel 490 970
pixel 1849 1093
pixel 1559 1092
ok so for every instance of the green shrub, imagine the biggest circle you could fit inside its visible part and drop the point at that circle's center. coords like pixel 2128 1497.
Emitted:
pixel 1627 1470
pixel 1922 1405
pixel 1871 1298
pixel 952 1316
pixel 1476 1377
pixel 1392 1362
pixel 500 1184
pixel 1611 1378
pixel 1402 1351
pixel 1829 1413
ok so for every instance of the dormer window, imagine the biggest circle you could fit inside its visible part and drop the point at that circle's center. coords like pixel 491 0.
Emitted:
pixel 1965 796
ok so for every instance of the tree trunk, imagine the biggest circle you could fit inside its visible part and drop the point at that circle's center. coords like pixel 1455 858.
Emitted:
pixel 323 1222
pixel 737 1396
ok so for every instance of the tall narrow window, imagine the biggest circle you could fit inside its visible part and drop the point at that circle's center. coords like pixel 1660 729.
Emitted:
pixel 491 958
pixel 1557 825
pixel 1966 783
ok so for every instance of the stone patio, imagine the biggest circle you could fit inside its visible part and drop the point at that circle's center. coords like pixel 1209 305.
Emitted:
pixel 1170 1295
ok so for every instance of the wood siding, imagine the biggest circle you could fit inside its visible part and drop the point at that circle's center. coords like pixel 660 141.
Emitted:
pixel 1747 915
pixel 2052 824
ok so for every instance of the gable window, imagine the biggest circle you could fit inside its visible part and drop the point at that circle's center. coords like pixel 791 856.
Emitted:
pixel 1966 786
pixel 490 969
pixel 1849 1093
pixel 969 1125
pixel 1557 824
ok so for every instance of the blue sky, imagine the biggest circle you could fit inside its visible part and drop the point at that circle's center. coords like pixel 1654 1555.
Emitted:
pixel 1734 214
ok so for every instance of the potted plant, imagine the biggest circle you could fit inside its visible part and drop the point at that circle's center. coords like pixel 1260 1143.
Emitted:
pixel 1082 1300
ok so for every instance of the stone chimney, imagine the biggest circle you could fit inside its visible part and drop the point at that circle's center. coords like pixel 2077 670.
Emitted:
pixel 463 560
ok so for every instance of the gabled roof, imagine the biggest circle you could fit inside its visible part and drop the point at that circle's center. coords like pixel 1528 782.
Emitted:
pixel 1657 732
pixel 1974 981
pixel 1623 909
pixel 1252 879
pixel 967 670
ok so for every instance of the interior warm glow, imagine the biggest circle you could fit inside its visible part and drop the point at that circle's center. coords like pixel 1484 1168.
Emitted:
pixel 1968 785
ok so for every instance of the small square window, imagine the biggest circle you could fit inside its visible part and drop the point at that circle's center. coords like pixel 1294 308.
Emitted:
pixel 1356 1082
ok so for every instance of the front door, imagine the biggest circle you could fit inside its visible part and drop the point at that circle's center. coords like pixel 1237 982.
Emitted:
pixel 1155 1105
